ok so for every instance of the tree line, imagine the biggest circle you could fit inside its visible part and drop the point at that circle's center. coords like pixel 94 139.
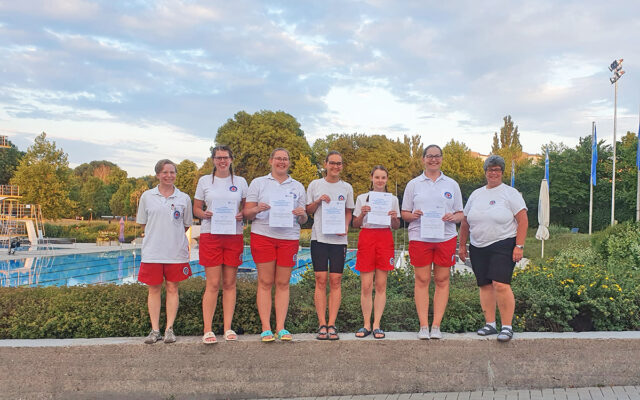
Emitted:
pixel 102 188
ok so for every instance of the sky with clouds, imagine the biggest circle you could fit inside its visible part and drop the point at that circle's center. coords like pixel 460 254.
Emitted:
pixel 135 81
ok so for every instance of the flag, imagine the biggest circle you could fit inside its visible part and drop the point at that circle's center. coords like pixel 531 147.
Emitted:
pixel 513 173
pixel 594 155
pixel 546 167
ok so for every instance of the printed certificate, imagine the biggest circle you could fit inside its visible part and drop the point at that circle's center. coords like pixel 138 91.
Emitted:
pixel 281 211
pixel 333 217
pixel 223 220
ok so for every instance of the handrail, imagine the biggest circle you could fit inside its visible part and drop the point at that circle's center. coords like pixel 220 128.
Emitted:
pixel 9 190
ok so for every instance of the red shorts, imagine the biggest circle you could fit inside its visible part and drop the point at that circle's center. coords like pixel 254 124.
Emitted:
pixel 153 273
pixel 375 250
pixel 218 250
pixel 265 249
pixel 443 254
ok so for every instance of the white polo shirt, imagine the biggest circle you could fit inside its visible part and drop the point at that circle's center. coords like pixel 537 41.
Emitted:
pixel 422 190
pixel 340 190
pixel 165 219
pixel 209 189
pixel 260 191
pixel 491 214
pixel 362 200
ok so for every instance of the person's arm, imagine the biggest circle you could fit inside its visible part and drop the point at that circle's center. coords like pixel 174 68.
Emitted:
pixel 313 206
pixel 411 216
pixel 198 211
pixel 395 220
pixel 455 217
pixel 521 234
pixel 463 235
pixel 252 208
pixel 240 214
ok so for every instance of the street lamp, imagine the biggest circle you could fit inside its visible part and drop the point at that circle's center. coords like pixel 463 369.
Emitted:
pixel 91 215
pixel 616 68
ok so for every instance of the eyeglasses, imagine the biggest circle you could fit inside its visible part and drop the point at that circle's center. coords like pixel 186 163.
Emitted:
pixel 498 169
pixel 432 156
pixel 281 159
pixel 335 163
pixel 222 158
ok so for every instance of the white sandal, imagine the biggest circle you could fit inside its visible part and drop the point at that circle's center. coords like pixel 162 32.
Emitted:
pixel 227 335
pixel 209 338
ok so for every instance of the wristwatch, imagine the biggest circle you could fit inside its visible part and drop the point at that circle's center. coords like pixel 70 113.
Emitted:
pixel 520 246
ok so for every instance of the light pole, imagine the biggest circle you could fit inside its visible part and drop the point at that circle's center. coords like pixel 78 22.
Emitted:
pixel 616 68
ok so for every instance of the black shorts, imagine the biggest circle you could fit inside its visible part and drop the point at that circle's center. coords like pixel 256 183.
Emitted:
pixel 328 257
pixel 494 262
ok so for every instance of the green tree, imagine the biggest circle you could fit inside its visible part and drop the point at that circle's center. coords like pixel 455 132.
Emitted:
pixel 9 161
pixel 120 203
pixel 94 197
pixel 304 172
pixel 44 178
pixel 507 145
pixel 253 137
pixel 464 168
pixel 135 194
pixel 187 177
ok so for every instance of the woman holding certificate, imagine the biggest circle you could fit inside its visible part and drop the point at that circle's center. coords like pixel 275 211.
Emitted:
pixel 432 205
pixel 496 217
pixel 275 204
pixel 330 200
pixel 376 213
pixel 221 243
pixel 165 214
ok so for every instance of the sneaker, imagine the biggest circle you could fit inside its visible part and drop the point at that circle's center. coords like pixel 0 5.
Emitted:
pixel 153 337
pixel 505 334
pixel 435 332
pixel 169 336
pixel 423 333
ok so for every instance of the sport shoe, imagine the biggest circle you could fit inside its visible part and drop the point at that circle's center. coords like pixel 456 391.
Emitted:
pixel 169 336
pixel 153 337
pixel 505 334
pixel 435 332
pixel 423 333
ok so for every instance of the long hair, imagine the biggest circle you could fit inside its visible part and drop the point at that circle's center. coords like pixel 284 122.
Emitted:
pixel 216 149
pixel 375 168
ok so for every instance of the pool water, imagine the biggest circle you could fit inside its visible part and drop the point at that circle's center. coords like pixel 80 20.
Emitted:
pixel 112 267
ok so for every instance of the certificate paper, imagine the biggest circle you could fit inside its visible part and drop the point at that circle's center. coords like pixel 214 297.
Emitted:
pixel 281 211
pixel 333 217
pixel 431 223
pixel 223 220
pixel 380 203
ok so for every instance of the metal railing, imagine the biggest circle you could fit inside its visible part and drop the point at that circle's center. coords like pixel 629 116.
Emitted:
pixel 10 190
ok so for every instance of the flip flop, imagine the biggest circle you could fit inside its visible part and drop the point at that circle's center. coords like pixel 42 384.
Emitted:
pixel 209 338
pixel 364 331
pixel 267 336
pixel 322 333
pixel 284 335
pixel 333 333
pixel 230 336
pixel 377 333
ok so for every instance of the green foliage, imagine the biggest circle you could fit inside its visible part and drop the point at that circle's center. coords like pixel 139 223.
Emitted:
pixel 120 203
pixel 94 197
pixel 187 177
pixel 304 172
pixel 44 178
pixel 253 137
pixel 464 168
pixel 88 232
pixel 9 161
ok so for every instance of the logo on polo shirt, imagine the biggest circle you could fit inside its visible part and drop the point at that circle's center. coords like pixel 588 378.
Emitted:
pixel 185 270
pixel 492 202
pixel 176 214
pixel 391 260
pixel 341 197
pixel 233 188
pixel 295 196
pixel 448 195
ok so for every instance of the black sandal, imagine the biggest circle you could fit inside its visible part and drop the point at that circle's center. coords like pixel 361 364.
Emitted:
pixel 377 333
pixel 323 334
pixel 333 332
pixel 364 331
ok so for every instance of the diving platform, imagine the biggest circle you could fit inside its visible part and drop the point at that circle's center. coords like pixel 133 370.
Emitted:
pixel 4 142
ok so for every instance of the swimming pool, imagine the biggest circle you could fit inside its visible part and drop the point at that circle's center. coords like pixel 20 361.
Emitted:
pixel 111 267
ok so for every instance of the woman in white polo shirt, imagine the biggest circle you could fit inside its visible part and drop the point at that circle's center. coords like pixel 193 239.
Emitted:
pixel 274 248
pixel 165 214
pixel 428 196
pixel 220 253
pixel 496 218
pixel 328 250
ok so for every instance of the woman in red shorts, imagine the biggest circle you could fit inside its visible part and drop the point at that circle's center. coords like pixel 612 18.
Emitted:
pixel 274 247
pixel 375 248
pixel 165 214
pixel 432 204
pixel 220 249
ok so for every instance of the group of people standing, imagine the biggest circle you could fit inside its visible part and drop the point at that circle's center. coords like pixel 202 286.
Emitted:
pixel 494 219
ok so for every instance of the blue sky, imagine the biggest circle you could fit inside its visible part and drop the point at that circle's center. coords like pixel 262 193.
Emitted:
pixel 135 81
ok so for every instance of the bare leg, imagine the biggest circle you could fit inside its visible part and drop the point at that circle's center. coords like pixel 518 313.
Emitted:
pixel 441 295
pixel 266 279
pixel 172 302
pixel 421 293
pixel 335 296
pixel 506 302
pixel 381 297
pixel 283 276
pixel 229 278
pixel 320 296
pixel 488 302
pixel 210 297
pixel 154 303
pixel 366 297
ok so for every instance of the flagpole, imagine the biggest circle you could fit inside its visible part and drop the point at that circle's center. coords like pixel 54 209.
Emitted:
pixel 613 179
pixel 593 127
pixel 638 171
